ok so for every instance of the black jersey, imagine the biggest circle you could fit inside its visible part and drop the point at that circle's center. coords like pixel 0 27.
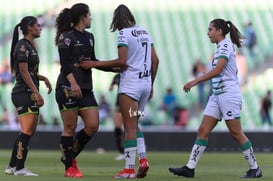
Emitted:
pixel 25 52
pixel 75 46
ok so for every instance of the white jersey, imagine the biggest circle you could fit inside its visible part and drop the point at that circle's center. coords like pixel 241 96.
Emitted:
pixel 227 80
pixel 136 81
pixel 138 42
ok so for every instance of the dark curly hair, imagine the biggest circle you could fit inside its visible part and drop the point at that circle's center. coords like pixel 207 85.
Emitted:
pixel 70 17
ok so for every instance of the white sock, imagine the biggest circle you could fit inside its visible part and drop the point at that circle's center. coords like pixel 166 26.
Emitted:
pixel 196 153
pixel 130 157
pixel 250 158
pixel 141 148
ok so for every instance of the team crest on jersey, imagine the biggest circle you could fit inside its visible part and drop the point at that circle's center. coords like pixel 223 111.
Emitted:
pixel 67 41
pixel 22 48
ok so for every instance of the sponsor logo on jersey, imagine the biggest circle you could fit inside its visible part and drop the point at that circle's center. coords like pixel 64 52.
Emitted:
pixel 121 39
pixel 136 33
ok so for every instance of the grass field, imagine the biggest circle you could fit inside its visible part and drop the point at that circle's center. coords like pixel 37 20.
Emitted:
pixel 101 167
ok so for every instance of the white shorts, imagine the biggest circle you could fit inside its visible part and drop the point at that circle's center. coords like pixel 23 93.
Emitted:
pixel 137 91
pixel 227 106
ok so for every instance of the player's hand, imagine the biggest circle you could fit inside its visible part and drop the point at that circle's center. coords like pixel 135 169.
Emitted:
pixel 76 90
pixel 48 85
pixel 111 87
pixel 39 99
pixel 187 87
pixel 87 64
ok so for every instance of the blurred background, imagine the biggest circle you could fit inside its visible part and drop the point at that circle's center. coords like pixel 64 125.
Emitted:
pixel 179 31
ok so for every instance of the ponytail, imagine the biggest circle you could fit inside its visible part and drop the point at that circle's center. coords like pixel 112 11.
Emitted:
pixel 15 39
pixel 235 35
pixel 63 23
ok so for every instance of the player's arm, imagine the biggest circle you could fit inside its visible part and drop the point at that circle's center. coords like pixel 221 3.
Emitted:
pixel 47 83
pixel 155 62
pixel 119 62
pixel 75 88
pixel 209 75
pixel 23 69
pixel 214 72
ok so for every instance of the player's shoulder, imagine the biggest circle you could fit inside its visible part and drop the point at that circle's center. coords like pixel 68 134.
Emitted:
pixel 23 44
pixel 66 38
pixel 67 33
pixel 226 43
pixel 88 34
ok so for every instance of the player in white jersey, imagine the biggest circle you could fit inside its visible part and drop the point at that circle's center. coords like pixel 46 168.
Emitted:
pixel 138 58
pixel 225 102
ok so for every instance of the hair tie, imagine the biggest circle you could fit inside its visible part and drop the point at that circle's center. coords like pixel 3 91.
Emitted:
pixel 227 27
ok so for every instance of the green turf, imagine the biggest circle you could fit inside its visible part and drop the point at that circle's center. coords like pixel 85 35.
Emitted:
pixel 101 167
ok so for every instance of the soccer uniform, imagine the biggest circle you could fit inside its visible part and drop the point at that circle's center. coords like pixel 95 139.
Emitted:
pixel 226 100
pixel 136 80
pixel 75 46
pixel 23 97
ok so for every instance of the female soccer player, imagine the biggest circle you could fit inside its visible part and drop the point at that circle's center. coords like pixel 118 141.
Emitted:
pixel 74 89
pixel 225 102
pixel 24 61
pixel 137 53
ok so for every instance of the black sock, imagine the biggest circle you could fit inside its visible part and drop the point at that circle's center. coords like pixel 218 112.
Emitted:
pixel 119 139
pixel 79 143
pixel 66 150
pixel 22 150
pixel 12 162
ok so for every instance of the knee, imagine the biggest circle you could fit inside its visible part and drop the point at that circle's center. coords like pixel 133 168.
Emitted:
pixel 91 129
pixel 69 129
pixel 29 131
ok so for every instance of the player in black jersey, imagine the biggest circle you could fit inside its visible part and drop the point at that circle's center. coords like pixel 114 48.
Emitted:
pixel 74 89
pixel 24 61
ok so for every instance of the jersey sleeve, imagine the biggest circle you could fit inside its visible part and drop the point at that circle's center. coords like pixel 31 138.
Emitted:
pixel 22 52
pixel 225 50
pixel 64 49
pixel 122 39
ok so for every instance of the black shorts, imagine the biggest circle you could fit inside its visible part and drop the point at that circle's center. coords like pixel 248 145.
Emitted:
pixel 25 103
pixel 66 101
